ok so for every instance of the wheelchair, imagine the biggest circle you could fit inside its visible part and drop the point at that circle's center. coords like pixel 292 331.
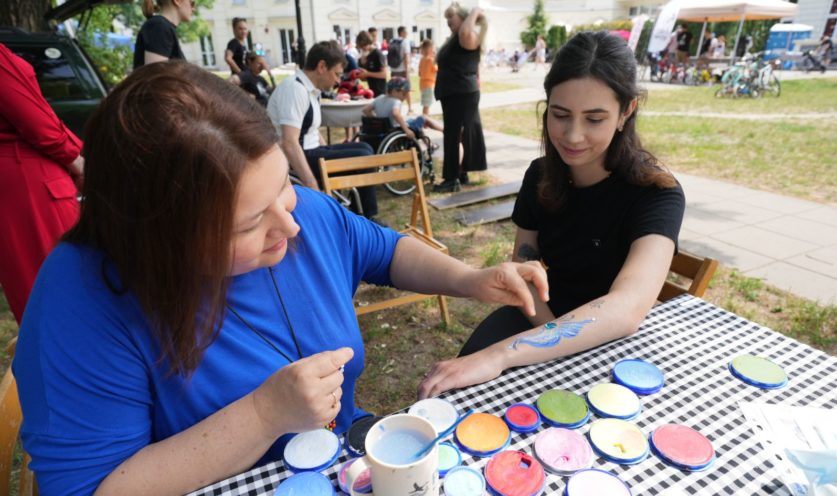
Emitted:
pixel 383 138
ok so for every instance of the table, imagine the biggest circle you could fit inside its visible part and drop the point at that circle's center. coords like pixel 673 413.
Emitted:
pixel 341 114
pixel 691 341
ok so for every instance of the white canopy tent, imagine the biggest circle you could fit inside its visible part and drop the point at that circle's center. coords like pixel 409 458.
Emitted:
pixel 732 10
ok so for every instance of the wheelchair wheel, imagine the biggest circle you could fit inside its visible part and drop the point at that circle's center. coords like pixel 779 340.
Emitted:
pixel 397 142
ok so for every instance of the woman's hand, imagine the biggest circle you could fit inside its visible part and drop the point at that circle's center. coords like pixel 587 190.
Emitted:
pixel 304 395
pixel 506 283
pixel 362 74
pixel 76 170
pixel 460 372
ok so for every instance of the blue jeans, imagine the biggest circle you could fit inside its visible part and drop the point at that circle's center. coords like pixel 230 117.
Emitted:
pixel 368 200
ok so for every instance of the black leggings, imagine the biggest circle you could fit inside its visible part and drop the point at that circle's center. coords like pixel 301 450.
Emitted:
pixel 503 323
pixel 460 113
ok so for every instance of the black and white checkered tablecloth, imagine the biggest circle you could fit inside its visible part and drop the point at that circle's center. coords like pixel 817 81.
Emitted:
pixel 692 342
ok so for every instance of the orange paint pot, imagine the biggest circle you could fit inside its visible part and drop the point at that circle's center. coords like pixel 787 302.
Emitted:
pixel 482 434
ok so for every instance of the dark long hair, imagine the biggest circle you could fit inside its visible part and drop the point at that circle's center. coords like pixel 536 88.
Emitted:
pixel 607 58
pixel 164 155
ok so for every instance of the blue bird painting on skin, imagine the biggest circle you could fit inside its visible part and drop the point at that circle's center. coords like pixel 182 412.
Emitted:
pixel 551 334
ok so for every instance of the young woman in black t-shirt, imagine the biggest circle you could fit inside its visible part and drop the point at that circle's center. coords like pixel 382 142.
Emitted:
pixel 373 64
pixel 157 38
pixel 598 210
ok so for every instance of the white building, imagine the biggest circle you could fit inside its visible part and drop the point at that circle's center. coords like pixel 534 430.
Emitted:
pixel 273 22
pixel 822 14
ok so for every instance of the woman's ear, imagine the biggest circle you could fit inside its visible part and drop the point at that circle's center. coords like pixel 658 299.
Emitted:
pixel 630 110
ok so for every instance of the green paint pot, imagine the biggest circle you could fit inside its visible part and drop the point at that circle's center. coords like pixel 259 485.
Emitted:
pixel 759 372
pixel 561 408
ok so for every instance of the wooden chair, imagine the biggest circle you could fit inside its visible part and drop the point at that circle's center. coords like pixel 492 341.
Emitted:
pixel 12 416
pixel 380 169
pixel 685 265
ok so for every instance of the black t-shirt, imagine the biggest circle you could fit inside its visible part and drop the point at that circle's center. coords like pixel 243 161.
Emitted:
pixel 585 245
pixel 375 62
pixel 255 85
pixel 239 52
pixel 458 68
pixel 684 41
pixel 157 35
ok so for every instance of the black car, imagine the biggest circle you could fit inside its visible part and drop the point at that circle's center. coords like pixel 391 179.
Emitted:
pixel 68 79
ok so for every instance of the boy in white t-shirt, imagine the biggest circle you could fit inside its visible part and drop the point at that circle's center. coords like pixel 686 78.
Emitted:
pixel 389 105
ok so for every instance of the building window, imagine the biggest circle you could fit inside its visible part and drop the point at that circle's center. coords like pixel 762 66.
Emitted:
pixel 239 2
pixel 426 2
pixel 633 11
pixel 207 51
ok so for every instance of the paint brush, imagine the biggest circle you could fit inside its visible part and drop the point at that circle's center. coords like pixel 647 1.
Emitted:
pixel 429 446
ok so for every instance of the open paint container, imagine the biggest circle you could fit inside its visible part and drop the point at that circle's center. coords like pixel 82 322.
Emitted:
pixel 639 376
pixel 563 451
pixel 449 458
pixel 595 482
pixel 522 417
pixel 363 484
pixel 312 451
pixel 618 441
pixel 355 440
pixel 682 447
pixel 464 481
pixel 442 414
pixel 514 473
pixel 482 435
pixel 613 401
pixel 307 483
pixel 759 372
pixel 560 408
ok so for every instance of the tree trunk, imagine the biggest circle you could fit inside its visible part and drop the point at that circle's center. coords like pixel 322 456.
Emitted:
pixel 24 14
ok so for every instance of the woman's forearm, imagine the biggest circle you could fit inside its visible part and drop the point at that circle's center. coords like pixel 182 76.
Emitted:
pixel 226 443
pixel 422 269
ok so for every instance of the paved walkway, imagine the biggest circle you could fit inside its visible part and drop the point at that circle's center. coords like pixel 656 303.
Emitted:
pixel 787 242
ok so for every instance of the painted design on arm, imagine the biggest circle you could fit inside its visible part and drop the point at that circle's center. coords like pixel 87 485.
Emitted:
pixel 552 333
pixel 528 252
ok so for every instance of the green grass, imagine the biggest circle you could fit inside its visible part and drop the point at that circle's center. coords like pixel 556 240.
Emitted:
pixel 794 158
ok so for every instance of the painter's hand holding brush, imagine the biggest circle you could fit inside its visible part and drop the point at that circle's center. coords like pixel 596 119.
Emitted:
pixel 303 395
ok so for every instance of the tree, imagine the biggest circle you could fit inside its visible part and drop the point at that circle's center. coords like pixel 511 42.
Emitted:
pixel 556 37
pixel 25 14
pixel 537 26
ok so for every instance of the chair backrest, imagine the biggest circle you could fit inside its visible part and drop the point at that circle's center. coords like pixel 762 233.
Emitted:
pixel 372 170
pixel 12 416
pixel 685 265
pixel 375 125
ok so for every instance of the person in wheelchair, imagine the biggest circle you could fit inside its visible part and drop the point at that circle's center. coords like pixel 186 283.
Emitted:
pixel 389 106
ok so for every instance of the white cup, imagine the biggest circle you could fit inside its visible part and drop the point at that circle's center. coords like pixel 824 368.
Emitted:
pixel 420 477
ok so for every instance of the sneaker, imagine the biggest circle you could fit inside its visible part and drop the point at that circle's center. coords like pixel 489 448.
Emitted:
pixel 447 186
pixel 463 178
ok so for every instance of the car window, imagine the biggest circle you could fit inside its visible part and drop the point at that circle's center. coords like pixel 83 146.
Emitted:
pixel 56 76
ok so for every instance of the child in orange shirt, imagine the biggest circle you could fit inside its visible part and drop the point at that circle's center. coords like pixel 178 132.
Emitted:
pixel 427 75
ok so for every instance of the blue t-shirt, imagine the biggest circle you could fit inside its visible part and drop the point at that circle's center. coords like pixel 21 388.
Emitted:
pixel 91 386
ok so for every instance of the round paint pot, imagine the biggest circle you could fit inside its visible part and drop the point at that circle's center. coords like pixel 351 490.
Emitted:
pixel 639 376
pixel 514 473
pixel 613 401
pixel 759 372
pixel 464 481
pixel 312 451
pixel 355 440
pixel 682 447
pixel 563 451
pixel 595 482
pixel 482 434
pixel 618 441
pixel 449 458
pixel 522 417
pixel 561 408
pixel 363 484
pixel 308 483
pixel 441 413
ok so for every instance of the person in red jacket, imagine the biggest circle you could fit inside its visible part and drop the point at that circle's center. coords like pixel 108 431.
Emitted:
pixel 40 168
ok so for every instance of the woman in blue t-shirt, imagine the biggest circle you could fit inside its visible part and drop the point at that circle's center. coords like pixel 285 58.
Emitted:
pixel 157 38
pixel 598 210
pixel 201 309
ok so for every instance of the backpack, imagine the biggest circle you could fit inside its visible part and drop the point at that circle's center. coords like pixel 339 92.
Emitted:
pixel 394 54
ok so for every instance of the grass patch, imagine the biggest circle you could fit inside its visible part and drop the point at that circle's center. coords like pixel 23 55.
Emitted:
pixel 790 158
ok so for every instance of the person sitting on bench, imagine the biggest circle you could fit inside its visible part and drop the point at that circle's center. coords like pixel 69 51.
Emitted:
pixel 294 109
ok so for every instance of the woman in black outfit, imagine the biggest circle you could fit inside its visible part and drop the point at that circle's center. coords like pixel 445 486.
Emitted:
pixel 157 38
pixel 457 88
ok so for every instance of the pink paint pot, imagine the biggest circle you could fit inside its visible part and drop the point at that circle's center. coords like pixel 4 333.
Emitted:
pixel 514 473
pixel 682 447
pixel 563 451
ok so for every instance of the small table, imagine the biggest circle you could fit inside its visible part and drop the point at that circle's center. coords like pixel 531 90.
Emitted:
pixel 692 342
pixel 341 114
